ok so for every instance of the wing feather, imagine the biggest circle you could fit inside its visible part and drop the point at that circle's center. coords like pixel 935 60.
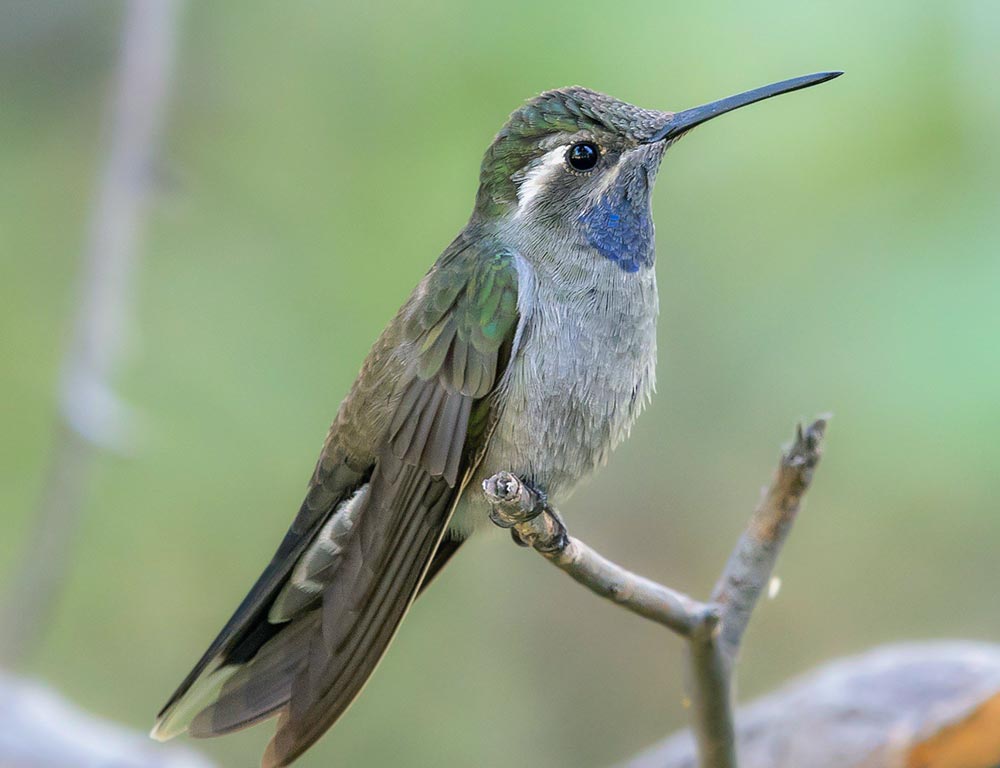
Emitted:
pixel 312 630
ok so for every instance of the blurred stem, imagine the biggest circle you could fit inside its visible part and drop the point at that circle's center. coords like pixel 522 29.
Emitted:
pixel 91 417
pixel 713 630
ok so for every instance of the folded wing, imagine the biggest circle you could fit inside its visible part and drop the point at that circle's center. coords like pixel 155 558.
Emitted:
pixel 311 631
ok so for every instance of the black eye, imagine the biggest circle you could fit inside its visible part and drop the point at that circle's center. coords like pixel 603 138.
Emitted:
pixel 583 156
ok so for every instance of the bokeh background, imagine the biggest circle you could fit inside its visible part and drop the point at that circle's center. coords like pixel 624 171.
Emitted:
pixel 832 250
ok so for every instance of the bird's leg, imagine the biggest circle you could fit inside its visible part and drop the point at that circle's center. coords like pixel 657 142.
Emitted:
pixel 514 503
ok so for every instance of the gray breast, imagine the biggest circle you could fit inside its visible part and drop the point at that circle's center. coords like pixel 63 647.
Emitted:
pixel 584 370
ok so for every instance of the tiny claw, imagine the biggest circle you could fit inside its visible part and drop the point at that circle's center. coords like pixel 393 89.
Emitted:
pixel 558 541
pixel 517 539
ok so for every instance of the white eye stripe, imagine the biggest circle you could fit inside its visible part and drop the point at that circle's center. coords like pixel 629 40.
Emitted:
pixel 535 179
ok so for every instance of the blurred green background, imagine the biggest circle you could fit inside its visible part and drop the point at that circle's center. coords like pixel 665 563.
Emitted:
pixel 833 250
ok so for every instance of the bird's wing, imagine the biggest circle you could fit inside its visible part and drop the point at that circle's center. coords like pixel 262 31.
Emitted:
pixel 313 628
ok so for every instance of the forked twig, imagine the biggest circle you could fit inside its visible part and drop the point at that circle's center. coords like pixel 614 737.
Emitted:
pixel 712 629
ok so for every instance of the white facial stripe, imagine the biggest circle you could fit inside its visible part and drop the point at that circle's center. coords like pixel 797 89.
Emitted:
pixel 534 181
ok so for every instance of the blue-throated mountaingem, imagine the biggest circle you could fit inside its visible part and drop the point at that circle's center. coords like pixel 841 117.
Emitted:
pixel 529 346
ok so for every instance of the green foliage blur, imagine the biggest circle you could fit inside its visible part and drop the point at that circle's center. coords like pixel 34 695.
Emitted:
pixel 831 250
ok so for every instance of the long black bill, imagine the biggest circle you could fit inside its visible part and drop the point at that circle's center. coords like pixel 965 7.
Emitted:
pixel 684 121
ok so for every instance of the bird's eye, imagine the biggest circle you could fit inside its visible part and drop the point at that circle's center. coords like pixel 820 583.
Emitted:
pixel 583 156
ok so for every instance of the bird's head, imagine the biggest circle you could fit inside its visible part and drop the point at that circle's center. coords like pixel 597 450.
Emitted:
pixel 581 164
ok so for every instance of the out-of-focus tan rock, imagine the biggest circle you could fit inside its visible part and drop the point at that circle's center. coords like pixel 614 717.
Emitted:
pixel 914 705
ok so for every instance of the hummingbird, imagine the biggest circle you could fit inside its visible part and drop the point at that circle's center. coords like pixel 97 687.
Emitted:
pixel 529 346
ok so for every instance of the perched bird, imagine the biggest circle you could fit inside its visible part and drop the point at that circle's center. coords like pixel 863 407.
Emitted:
pixel 529 346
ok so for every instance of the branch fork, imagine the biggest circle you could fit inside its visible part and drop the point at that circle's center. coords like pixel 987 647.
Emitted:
pixel 713 629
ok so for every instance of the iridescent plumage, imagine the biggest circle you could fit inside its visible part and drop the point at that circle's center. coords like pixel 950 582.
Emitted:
pixel 529 346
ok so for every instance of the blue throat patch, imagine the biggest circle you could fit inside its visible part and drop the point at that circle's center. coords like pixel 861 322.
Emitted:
pixel 620 226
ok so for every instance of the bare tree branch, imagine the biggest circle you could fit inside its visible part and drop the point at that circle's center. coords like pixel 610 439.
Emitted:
pixel 748 571
pixel 713 629
pixel 92 416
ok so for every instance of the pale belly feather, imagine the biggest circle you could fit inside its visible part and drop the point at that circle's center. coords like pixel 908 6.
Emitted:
pixel 585 368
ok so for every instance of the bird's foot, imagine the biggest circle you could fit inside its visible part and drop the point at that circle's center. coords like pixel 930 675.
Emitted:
pixel 512 500
pixel 525 510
